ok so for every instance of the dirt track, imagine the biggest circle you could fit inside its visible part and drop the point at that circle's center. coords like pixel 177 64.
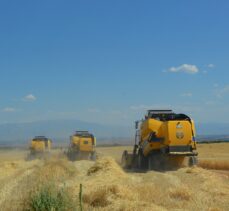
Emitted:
pixel 107 187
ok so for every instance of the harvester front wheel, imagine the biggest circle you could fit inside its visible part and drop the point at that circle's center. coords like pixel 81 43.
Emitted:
pixel 124 161
pixel 142 161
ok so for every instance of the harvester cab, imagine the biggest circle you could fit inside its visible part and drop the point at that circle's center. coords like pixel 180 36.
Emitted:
pixel 162 140
pixel 82 146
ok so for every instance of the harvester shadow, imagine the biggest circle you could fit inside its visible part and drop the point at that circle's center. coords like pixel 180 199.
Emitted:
pixel 160 170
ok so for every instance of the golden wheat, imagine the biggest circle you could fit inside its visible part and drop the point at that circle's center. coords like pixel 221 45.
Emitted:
pixel 106 186
pixel 214 164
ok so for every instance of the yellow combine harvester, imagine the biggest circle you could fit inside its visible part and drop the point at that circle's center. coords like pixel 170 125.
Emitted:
pixel 82 146
pixel 163 140
pixel 40 147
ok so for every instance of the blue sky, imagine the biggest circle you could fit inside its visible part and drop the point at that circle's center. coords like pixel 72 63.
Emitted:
pixel 109 61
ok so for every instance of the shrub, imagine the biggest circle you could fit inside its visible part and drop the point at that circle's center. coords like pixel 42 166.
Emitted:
pixel 50 198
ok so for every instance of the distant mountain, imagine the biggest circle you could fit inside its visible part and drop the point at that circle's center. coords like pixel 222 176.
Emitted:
pixel 59 130
pixel 212 129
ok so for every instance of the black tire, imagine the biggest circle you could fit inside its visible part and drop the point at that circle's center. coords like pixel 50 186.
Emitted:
pixel 155 161
pixel 124 159
pixel 142 161
pixel 30 157
pixel 150 163
pixel 72 156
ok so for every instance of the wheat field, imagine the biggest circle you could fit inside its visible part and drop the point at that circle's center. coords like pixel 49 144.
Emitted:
pixel 106 186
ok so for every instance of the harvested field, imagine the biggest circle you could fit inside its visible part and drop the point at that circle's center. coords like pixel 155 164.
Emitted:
pixel 214 164
pixel 106 186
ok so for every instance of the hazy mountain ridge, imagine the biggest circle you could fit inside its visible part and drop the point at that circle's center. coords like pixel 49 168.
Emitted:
pixel 60 130
pixel 212 129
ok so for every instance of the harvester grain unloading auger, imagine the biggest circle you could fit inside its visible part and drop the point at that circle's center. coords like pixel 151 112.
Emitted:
pixel 162 140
